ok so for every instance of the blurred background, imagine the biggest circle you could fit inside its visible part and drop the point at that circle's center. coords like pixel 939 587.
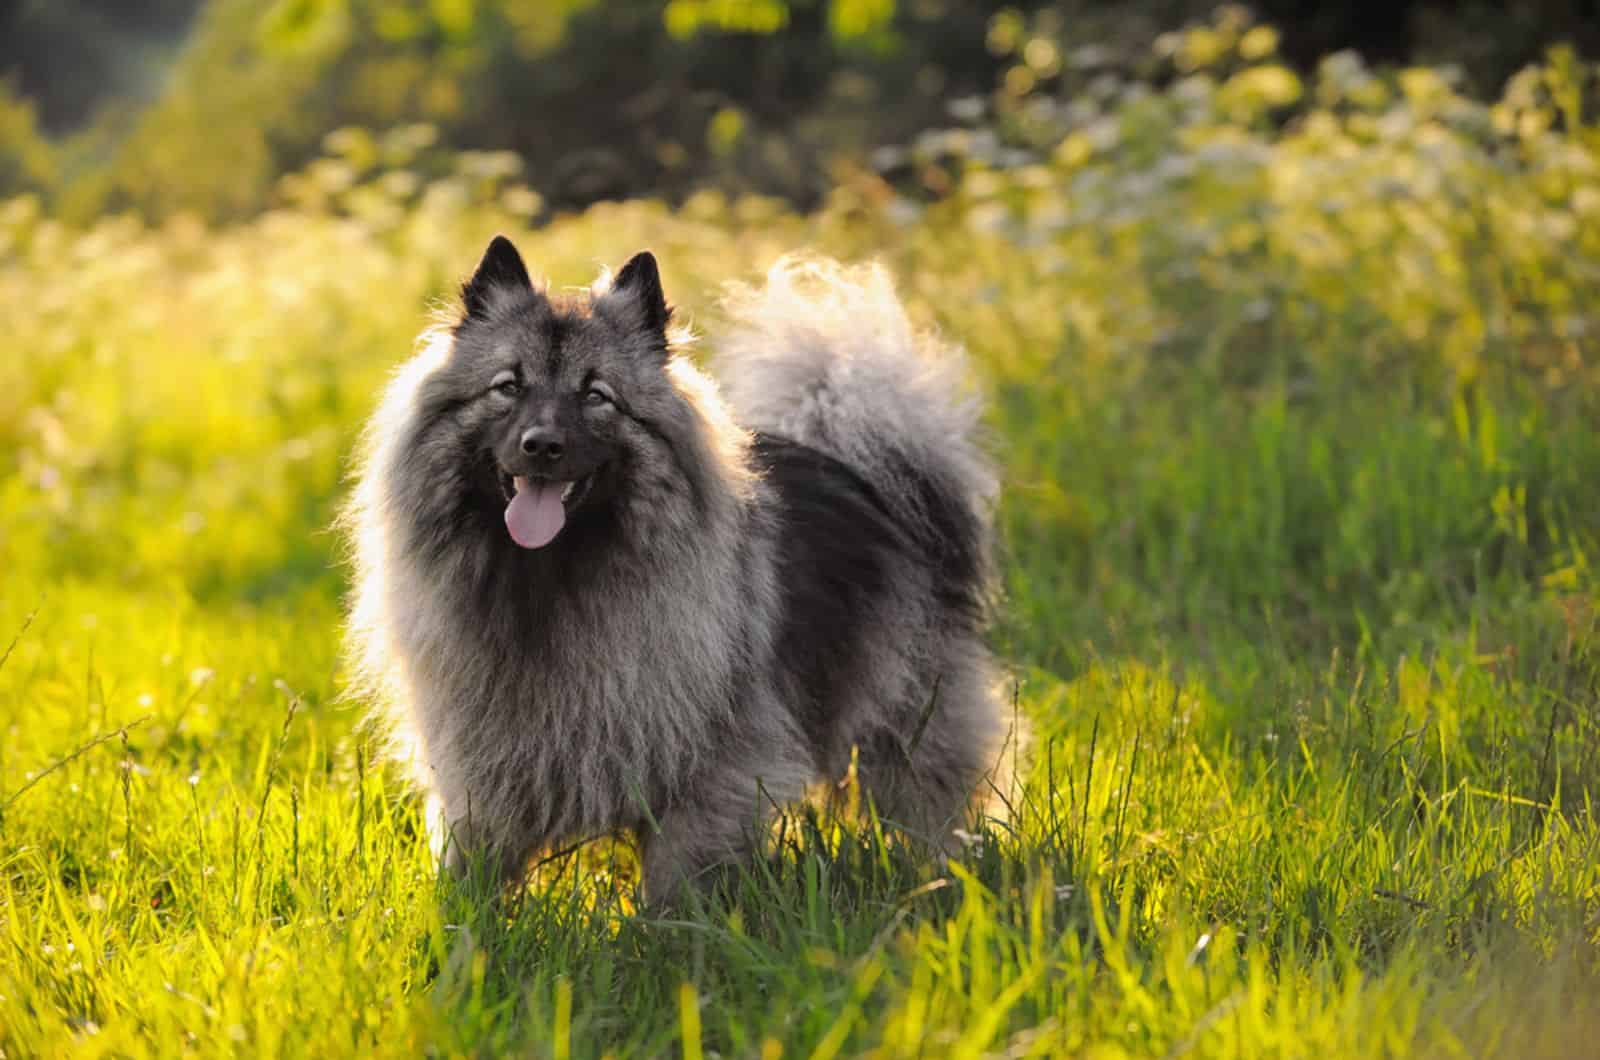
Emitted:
pixel 1242 281
pixel 1287 318
pixel 203 105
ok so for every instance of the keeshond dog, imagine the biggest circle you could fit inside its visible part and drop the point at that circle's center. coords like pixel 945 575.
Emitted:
pixel 595 592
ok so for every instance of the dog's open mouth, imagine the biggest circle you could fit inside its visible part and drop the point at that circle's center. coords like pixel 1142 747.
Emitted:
pixel 537 509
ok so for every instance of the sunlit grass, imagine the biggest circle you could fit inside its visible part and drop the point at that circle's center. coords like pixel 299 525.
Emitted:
pixel 1300 519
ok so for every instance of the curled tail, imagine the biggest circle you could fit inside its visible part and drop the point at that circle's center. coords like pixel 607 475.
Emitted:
pixel 824 355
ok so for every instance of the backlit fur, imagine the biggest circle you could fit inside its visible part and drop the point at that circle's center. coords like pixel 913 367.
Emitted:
pixel 769 581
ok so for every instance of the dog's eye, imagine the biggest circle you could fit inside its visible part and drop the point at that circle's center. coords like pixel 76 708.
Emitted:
pixel 506 384
pixel 597 395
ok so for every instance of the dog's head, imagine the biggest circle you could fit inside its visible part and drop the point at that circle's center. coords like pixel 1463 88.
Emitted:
pixel 555 398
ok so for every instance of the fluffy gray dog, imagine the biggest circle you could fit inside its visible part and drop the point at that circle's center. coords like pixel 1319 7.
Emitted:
pixel 592 592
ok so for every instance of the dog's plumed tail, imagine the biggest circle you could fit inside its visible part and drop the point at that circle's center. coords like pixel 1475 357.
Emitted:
pixel 825 355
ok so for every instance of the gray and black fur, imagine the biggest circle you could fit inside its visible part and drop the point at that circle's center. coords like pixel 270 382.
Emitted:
pixel 744 588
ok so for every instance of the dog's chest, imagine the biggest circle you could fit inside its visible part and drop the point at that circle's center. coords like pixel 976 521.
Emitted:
pixel 589 708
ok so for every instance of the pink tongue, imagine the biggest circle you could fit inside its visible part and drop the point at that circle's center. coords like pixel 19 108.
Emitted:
pixel 535 515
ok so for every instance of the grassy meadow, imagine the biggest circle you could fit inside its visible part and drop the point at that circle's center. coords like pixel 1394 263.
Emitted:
pixel 1301 521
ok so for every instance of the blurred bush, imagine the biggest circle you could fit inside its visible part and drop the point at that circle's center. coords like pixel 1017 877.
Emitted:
pixel 624 97
pixel 600 100
pixel 27 160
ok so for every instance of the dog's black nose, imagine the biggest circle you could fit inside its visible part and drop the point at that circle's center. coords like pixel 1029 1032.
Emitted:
pixel 542 443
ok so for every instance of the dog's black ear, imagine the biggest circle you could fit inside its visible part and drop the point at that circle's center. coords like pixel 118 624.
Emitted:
pixel 639 285
pixel 502 269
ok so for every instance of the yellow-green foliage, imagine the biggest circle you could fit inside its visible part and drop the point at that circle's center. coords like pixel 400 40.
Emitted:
pixel 1298 424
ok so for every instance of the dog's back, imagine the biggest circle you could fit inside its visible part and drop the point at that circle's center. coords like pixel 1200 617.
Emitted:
pixel 869 438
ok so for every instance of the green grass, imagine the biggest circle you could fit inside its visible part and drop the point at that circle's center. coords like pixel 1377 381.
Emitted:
pixel 1301 514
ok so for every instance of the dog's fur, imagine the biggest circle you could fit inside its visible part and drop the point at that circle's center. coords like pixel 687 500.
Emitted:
pixel 745 588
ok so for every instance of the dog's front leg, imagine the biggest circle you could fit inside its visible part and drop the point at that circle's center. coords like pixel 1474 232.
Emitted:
pixel 465 848
pixel 720 822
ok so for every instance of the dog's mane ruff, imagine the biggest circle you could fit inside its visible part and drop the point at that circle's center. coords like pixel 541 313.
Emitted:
pixel 373 667
pixel 727 444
